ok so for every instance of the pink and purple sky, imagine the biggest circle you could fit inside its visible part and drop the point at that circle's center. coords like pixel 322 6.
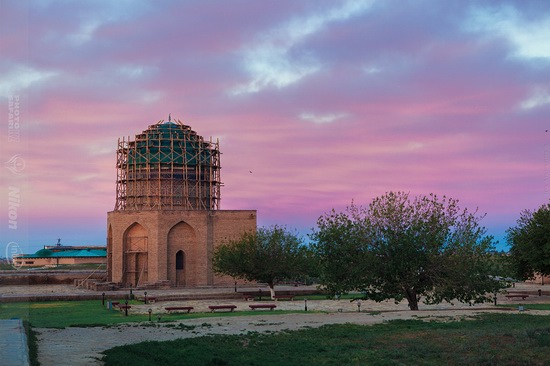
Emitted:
pixel 325 102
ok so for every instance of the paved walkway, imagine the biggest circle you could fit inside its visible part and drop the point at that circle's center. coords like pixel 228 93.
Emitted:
pixel 13 343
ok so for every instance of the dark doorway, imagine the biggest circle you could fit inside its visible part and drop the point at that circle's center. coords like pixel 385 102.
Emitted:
pixel 180 268
pixel 179 259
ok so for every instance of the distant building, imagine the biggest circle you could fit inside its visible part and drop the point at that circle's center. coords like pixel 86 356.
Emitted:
pixel 166 222
pixel 55 255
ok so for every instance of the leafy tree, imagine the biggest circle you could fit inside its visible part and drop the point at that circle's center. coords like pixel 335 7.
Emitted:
pixel 529 243
pixel 500 265
pixel 426 247
pixel 270 255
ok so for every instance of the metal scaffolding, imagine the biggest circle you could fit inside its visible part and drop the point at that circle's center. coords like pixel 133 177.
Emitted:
pixel 168 167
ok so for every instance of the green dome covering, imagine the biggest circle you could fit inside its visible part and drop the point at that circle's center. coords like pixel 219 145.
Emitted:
pixel 43 253
pixel 169 143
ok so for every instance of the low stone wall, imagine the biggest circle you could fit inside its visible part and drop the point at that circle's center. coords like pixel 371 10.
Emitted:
pixel 96 284
pixel 23 277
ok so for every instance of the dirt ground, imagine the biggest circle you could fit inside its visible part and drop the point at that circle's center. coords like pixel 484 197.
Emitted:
pixel 83 346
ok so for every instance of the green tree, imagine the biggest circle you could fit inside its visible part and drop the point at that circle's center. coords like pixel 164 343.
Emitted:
pixel 423 248
pixel 270 255
pixel 529 243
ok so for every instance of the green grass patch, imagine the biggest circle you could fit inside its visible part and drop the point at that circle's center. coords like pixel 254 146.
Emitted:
pixel 61 314
pixel 90 313
pixel 527 306
pixel 328 297
pixel 32 343
pixel 491 339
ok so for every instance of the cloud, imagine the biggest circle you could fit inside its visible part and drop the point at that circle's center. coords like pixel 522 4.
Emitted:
pixel 372 70
pixel 136 71
pixel 322 118
pixel 539 98
pixel 529 37
pixel 275 61
pixel 20 78
pixel 84 33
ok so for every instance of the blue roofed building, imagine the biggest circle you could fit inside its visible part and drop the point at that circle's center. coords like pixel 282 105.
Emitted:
pixel 55 255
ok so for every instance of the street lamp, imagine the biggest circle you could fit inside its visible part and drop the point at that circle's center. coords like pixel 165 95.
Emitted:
pixel 305 304
pixel 145 297
pixel 126 308
pixel 359 306
pixel 150 311
pixel 103 299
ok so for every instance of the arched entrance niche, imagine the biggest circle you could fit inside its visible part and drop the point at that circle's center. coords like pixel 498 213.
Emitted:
pixel 135 255
pixel 182 255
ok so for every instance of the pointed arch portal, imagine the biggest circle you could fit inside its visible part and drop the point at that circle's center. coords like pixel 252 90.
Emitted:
pixel 182 255
pixel 135 255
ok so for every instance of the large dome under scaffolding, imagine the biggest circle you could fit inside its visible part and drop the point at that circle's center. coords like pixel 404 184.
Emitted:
pixel 168 167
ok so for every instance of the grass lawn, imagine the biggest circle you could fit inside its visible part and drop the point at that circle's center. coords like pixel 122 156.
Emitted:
pixel 528 306
pixel 61 314
pixel 491 339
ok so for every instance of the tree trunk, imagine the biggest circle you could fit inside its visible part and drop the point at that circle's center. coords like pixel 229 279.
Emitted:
pixel 412 298
pixel 272 290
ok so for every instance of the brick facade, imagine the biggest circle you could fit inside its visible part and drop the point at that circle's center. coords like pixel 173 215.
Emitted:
pixel 171 246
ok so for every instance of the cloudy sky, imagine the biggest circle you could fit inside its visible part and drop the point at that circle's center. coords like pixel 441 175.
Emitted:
pixel 325 102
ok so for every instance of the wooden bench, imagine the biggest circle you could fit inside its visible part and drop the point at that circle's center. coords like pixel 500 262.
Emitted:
pixel 170 309
pixel 283 297
pixel 262 306
pixel 124 307
pixel 222 307
pixel 115 304
pixel 150 300
pixel 513 296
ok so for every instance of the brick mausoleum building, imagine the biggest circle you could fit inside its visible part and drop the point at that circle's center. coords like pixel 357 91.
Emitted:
pixel 167 222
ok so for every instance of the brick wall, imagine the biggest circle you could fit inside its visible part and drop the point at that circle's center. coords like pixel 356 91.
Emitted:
pixel 196 233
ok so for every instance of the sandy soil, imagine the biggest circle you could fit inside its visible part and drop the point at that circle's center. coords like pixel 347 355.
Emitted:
pixel 83 346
